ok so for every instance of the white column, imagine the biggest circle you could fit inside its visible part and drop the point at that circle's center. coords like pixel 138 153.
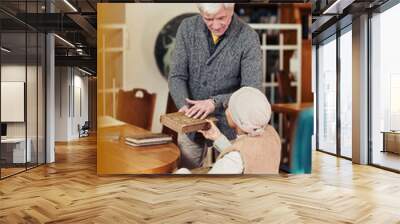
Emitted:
pixel 50 99
pixel 360 90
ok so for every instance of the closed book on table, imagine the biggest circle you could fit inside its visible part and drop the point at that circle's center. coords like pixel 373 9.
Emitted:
pixel 148 138
pixel 146 144
pixel 180 123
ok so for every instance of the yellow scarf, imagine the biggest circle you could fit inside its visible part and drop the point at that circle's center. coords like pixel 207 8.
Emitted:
pixel 215 38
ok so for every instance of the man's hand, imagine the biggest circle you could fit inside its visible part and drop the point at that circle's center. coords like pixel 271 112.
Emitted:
pixel 200 108
pixel 213 133
pixel 184 109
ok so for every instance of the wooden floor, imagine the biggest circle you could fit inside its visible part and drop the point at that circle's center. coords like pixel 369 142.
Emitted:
pixel 69 191
pixel 5 172
pixel 387 159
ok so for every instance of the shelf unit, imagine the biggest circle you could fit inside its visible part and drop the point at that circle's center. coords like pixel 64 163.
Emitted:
pixel 113 41
pixel 281 47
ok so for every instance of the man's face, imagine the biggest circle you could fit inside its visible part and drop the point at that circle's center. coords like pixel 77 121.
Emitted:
pixel 219 22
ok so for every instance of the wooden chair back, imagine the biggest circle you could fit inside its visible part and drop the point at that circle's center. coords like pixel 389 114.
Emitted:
pixel 136 107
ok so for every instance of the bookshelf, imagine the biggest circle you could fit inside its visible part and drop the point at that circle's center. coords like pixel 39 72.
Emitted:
pixel 113 44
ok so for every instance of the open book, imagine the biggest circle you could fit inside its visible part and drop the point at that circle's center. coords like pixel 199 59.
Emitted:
pixel 147 139
pixel 180 123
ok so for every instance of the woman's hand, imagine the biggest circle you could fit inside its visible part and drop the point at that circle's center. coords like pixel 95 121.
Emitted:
pixel 213 133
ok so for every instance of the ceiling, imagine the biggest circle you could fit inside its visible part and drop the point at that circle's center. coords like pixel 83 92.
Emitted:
pixel 330 15
pixel 75 21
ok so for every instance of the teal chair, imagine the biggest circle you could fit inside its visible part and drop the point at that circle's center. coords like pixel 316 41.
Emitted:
pixel 300 156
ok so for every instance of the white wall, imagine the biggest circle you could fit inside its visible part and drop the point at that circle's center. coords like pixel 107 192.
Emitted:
pixel 12 73
pixel 33 127
pixel 68 80
pixel 141 67
pixel 61 103
pixel 82 84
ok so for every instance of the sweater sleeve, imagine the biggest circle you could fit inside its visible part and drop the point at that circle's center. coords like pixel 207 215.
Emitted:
pixel 231 163
pixel 222 143
pixel 221 100
pixel 179 75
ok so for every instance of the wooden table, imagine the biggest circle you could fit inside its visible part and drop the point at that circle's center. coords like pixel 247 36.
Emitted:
pixel 290 113
pixel 115 157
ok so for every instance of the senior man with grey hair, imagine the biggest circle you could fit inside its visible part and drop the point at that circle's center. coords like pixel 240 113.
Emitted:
pixel 215 54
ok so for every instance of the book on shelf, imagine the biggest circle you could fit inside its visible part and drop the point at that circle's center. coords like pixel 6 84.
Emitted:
pixel 180 123
pixel 147 139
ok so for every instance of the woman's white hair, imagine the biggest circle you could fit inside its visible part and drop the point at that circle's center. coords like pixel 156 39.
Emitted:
pixel 212 8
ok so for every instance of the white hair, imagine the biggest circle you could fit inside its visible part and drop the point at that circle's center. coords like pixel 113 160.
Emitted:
pixel 213 8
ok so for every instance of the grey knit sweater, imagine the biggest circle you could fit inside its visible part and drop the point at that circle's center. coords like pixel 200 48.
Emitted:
pixel 197 75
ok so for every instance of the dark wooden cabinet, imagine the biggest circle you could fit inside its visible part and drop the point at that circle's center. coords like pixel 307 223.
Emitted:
pixel 391 141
